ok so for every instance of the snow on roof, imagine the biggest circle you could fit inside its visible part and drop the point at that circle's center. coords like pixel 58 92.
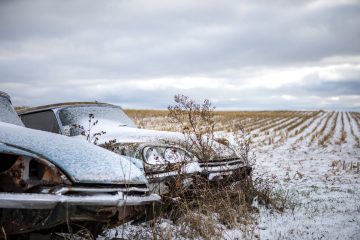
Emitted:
pixel 60 105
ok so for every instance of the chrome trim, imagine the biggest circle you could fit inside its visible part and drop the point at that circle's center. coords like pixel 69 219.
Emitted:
pixel 221 168
pixel 49 201
pixel 222 162
pixel 162 176
pixel 64 190
pixel 188 169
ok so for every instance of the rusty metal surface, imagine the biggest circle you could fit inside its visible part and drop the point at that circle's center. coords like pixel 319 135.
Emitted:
pixel 35 195
pixel 21 221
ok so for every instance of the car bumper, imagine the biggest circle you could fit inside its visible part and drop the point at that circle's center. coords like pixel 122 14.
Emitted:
pixel 49 201
pixel 190 168
pixel 166 182
pixel 216 170
pixel 29 212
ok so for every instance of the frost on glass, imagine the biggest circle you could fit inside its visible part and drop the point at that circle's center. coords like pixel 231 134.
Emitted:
pixel 81 161
pixel 7 112
pixel 80 115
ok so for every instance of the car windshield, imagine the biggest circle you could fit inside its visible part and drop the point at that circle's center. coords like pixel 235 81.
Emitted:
pixel 7 112
pixel 79 115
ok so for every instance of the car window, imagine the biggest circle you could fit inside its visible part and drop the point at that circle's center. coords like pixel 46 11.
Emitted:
pixel 78 115
pixel 44 120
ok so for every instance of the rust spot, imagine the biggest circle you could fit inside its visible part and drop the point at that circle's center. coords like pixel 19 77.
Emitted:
pixel 27 173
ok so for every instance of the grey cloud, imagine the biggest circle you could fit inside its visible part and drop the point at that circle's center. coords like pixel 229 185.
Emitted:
pixel 332 88
pixel 248 99
pixel 52 45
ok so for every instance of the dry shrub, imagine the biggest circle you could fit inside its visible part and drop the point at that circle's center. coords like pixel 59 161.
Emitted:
pixel 211 210
pixel 208 208
pixel 196 122
pixel 87 131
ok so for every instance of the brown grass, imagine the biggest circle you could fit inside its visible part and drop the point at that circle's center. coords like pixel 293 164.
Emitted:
pixel 326 138
pixel 304 119
pixel 352 130
pixel 315 117
pixel 261 123
pixel 322 129
pixel 343 132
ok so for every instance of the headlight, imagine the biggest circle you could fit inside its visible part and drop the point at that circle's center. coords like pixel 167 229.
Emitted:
pixel 172 155
pixel 153 157
pixel 176 155
pixel 165 155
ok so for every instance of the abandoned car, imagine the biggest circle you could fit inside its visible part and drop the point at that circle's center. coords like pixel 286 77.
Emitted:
pixel 166 166
pixel 155 147
pixel 49 181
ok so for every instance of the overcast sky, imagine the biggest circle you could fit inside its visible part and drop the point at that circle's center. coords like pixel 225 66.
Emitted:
pixel 140 53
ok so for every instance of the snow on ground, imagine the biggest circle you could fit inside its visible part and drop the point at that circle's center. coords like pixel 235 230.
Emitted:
pixel 322 181
pixel 351 140
pixel 323 185
pixel 355 126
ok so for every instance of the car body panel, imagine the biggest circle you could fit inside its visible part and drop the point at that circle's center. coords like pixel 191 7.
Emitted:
pixel 82 162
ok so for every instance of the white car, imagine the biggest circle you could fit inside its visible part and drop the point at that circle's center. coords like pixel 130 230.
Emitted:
pixel 158 149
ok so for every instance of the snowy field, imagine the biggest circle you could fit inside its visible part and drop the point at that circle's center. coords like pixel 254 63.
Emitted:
pixel 313 156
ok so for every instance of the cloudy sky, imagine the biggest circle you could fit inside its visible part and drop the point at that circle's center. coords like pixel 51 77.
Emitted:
pixel 139 53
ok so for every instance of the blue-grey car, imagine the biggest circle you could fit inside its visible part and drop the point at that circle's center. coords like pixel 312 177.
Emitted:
pixel 48 181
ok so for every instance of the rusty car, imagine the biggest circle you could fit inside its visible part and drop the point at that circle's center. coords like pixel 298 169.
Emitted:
pixel 50 182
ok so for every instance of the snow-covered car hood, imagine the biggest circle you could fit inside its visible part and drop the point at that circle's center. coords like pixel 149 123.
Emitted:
pixel 124 134
pixel 81 161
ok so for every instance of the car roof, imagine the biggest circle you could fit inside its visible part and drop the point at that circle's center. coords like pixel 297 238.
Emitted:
pixel 61 105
